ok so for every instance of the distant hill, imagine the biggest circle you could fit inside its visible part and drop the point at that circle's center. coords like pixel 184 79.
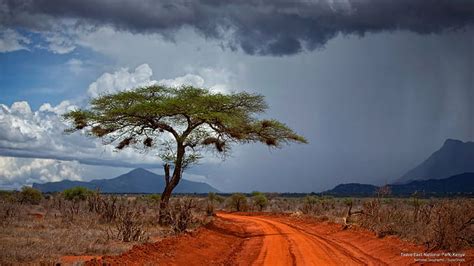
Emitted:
pixel 135 181
pixel 454 157
pixel 352 189
pixel 458 184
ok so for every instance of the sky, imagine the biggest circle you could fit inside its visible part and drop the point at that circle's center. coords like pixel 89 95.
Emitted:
pixel 375 86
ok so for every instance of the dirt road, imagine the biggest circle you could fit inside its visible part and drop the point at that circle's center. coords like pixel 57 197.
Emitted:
pixel 236 239
pixel 287 244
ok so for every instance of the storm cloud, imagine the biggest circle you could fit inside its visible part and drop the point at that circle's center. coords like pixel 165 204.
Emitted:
pixel 257 27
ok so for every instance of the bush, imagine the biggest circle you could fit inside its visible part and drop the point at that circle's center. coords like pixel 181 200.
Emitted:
pixel 130 226
pixel 310 204
pixel 212 199
pixel 77 193
pixel 238 202
pixel 29 195
pixel 181 214
pixel 109 209
pixel 451 226
pixel 259 200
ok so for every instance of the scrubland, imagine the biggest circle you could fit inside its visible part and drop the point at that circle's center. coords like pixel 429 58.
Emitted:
pixel 42 228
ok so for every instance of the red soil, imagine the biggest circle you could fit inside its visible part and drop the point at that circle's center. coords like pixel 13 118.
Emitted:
pixel 237 239
pixel 77 259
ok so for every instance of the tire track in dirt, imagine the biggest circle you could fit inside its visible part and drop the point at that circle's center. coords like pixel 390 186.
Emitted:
pixel 281 240
pixel 342 246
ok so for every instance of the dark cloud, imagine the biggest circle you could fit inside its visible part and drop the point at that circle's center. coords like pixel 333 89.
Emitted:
pixel 259 27
pixel 20 153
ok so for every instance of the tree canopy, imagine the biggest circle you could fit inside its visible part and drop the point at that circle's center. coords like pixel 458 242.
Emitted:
pixel 186 118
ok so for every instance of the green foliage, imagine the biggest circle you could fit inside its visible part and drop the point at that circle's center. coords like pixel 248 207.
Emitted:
pixel 387 200
pixel 153 198
pixel 260 200
pixel 348 201
pixel 238 202
pixel 213 197
pixel 311 200
pixel 29 195
pixel 310 204
pixel 192 117
pixel 77 193
pixel 7 196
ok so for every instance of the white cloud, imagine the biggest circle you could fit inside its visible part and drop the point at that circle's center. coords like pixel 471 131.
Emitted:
pixel 22 108
pixel 40 134
pixel 121 80
pixel 59 43
pixel 76 66
pixel 11 40
pixel 217 80
pixel 15 172
pixel 188 79
pixel 63 107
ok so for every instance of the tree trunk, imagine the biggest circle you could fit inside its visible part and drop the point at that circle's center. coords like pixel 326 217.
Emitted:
pixel 164 201
pixel 171 183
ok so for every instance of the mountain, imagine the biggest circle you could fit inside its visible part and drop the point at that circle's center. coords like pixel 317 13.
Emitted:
pixel 352 189
pixel 457 184
pixel 454 157
pixel 135 181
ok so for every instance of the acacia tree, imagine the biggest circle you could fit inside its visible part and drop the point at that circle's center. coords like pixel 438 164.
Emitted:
pixel 182 123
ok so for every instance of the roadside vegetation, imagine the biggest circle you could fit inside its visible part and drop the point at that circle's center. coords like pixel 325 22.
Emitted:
pixel 39 227
pixel 436 223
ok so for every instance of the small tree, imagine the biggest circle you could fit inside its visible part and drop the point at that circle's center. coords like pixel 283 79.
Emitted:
pixel 238 201
pixel 259 200
pixel 30 195
pixel 183 122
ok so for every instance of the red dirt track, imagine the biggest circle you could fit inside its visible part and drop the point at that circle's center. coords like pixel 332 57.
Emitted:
pixel 237 239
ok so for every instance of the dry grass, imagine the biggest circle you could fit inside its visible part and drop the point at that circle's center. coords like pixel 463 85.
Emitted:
pixel 98 226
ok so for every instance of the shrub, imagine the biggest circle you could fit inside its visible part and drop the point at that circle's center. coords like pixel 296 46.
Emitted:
pixel 259 200
pixel 6 195
pixel 309 204
pixel 451 226
pixel 109 210
pixel 77 193
pixel 238 202
pixel 29 195
pixel 181 215
pixel 8 207
pixel 130 226
pixel 212 199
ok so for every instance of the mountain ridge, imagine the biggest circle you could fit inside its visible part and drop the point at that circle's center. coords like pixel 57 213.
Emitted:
pixel 453 185
pixel 138 180
pixel 454 157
